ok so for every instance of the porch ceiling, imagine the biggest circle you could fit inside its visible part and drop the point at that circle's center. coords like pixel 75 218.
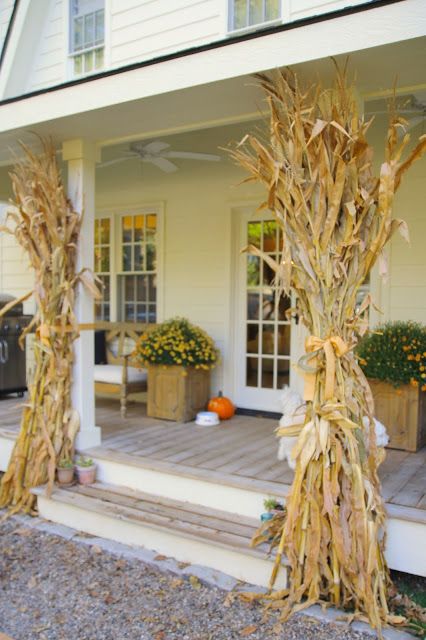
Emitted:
pixel 219 103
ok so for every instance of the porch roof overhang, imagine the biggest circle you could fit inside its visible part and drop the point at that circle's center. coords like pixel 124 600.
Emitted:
pixel 213 87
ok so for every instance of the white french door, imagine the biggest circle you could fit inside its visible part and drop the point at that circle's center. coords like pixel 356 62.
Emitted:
pixel 267 341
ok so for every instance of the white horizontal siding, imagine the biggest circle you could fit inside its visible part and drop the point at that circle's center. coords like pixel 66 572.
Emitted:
pixel 48 67
pixel 6 8
pixel 306 8
pixel 140 30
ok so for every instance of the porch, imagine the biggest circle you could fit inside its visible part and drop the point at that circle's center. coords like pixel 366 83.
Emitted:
pixel 226 469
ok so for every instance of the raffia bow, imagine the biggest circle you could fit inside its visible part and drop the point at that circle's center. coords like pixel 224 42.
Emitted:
pixel 333 347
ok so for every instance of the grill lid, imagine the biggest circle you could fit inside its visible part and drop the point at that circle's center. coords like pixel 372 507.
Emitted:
pixel 17 310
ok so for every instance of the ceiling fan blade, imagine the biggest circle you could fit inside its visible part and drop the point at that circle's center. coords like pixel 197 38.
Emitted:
pixel 101 165
pixel 191 155
pixel 155 147
pixel 162 163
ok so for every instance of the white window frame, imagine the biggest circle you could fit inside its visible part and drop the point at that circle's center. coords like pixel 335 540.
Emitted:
pixel 116 214
pixel 253 27
pixel 71 54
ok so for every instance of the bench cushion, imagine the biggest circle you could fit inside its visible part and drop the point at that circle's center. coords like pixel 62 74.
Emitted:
pixel 113 374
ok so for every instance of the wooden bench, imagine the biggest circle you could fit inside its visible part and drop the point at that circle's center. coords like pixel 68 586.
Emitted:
pixel 121 375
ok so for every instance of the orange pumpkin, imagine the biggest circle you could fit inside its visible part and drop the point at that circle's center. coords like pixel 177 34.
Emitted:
pixel 222 406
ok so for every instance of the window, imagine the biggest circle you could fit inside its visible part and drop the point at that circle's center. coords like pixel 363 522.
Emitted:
pixel 126 251
pixel 244 14
pixel 103 266
pixel 87 27
pixel 138 278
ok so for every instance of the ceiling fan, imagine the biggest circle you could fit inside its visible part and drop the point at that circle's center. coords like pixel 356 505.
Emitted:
pixel 158 154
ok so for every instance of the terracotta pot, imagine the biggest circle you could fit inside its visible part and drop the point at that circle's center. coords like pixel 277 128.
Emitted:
pixel 86 475
pixel 65 475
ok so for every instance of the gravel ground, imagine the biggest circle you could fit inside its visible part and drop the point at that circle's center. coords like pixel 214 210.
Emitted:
pixel 55 589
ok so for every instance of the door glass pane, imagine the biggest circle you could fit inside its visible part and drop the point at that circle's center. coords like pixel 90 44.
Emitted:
pixel 283 340
pixel 252 306
pixel 268 339
pixel 106 288
pixel 268 305
pixel 284 303
pixel 253 271
pixel 251 371
pixel 97 259
pixel 283 373
pixel 254 233
pixel 252 338
pixel 270 237
pixel 267 373
pixel 106 312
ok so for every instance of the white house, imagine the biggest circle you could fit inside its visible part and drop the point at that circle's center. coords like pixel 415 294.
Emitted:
pixel 128 88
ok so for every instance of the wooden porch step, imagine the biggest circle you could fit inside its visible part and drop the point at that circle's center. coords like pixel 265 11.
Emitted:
pixel 188 532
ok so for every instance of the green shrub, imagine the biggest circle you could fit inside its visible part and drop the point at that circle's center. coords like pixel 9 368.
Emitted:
pixel 395 352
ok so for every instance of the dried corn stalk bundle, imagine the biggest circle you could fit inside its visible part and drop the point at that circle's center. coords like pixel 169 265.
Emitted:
pixel 336 218
pixel 46 226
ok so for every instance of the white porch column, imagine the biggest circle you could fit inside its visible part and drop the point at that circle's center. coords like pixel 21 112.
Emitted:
pixel 81 158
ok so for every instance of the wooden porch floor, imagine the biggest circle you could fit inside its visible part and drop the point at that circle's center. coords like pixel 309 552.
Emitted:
pixel 243 449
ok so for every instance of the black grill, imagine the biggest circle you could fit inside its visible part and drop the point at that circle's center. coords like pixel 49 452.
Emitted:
pixel 12 357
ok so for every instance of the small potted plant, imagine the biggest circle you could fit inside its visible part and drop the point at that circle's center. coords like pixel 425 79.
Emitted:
pixel 86 470
pixel 272 507
pixel 65 471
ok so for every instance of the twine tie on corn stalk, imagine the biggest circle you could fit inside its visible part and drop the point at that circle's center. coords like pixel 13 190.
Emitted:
pixel 333 347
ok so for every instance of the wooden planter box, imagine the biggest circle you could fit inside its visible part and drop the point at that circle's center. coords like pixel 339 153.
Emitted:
pixel 403 412
pixel 177 393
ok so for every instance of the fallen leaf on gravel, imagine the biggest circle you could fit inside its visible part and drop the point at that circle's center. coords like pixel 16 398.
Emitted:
pixel 176 582
pixel 93 593
pixel 247 631
pixel 32 582
pixel 160 635
pixel 195 583
pixel 278 629
pixel 120 564
pixel 110 599
pixel 183 565
pixel 96 549
pixel 23 532
pixel 160 557
pixel 230 598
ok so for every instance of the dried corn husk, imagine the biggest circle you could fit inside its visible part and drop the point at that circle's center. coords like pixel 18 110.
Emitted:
pixel 336 217
pixel 47 228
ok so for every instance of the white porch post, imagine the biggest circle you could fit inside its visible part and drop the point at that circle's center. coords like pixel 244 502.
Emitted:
pixel 81 158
